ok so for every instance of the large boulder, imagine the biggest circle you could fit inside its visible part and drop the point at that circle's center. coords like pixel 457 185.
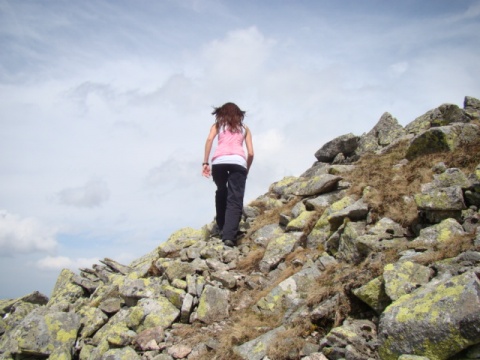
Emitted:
pixel 213 305
pixel 345 144
pixel 418 324
pixel 445 114
pixel 42 332
pixel 278 248
pixel 441 139
pixel 257 348
pixel 472 107
pixel 384 133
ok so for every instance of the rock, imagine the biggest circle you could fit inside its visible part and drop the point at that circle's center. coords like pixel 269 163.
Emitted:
pixel 472 107
pixel 121 354
pixel 155 312
pixel 439 233
pixel 150 338
pixel 174 295
pixel 416 323
pixel 441 199
pixel 347 242
pixel 443 138
pixel 355 212
pixel 383 133
pixel 277 249
pixel 315 185
pixel 186 309
pixel 226 278
pixel 403 277
pixel 179 351
pixel 386 228
pixel 280 187
pixel 443 115
pixel 301 221
pixel 291 292
pixel 116 266
pixel 374 295
pixel 353 340
pixel 65 292
pixel 111 305
pixel 91 319
pixel 323 201
pixel 42 331
pixel 213 305
pixel 132 290
pixel 345 144
pixel 256 349
pixel 181 239
pixel 266 233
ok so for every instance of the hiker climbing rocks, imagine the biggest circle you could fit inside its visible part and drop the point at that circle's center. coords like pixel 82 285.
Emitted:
pixel 230 166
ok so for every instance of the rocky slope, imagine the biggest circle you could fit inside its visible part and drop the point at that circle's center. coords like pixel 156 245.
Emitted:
pixel 372 253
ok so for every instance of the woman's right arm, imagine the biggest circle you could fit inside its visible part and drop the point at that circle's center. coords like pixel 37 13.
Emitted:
pixel 208 149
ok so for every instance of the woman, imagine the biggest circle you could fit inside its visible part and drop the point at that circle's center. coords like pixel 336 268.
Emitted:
pixel 230 167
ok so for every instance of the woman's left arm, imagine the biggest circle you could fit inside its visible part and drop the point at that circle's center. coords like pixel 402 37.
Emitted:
pixel 249 144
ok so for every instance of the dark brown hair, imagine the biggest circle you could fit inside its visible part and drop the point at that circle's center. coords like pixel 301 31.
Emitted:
pixel 229 115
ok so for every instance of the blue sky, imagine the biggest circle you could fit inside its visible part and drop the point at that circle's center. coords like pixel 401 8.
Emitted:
pixel 105 107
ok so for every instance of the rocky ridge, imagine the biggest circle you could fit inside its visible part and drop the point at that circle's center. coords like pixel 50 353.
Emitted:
pixel 372 253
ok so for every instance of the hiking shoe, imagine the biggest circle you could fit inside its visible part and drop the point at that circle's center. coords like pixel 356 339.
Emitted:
pixel 216 232
pixel 229 243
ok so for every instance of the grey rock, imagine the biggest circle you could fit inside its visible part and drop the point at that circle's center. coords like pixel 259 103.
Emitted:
pixel 256 349
pixel 213 305
pixel 345 144
pixel 416 322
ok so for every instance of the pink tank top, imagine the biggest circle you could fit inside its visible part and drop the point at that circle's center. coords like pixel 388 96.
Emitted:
pixel 229 143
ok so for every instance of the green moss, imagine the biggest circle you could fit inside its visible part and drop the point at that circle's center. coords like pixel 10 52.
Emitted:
pixel 444 235
pixel 420 307
pixel 259 348
pixel 135 317
pixel 203 308
pixel 57 329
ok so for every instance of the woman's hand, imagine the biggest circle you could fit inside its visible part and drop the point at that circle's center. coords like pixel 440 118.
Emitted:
pixel 206 170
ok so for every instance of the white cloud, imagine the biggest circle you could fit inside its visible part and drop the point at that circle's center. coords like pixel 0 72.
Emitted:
pixel 268 143
pixel 399 68
pixel 63 262
pixel 24 235
pixel 94 193
pixel 238 58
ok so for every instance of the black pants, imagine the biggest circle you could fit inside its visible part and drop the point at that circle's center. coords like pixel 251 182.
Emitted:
pixel 230 180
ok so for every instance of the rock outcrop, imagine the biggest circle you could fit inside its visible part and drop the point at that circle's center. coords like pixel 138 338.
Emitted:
pixel 372 253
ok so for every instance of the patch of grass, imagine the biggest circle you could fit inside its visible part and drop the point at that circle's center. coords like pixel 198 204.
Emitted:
pixel 251 261
pixel 341 278
pixel 447 249
pixel 287 344
pixel 269 216
pixel 244 326
pixel 392 185
pixel 285 274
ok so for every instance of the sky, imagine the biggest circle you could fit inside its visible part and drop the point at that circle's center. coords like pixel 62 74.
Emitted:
pixel 105 107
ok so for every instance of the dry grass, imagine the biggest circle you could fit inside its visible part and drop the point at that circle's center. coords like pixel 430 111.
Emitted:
pixel 287 344
pixel 285 274
pixel 341 278
pixel 446 249
pixel 392 185
pixel 251 261
pixel 244 326
pixel 268 217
